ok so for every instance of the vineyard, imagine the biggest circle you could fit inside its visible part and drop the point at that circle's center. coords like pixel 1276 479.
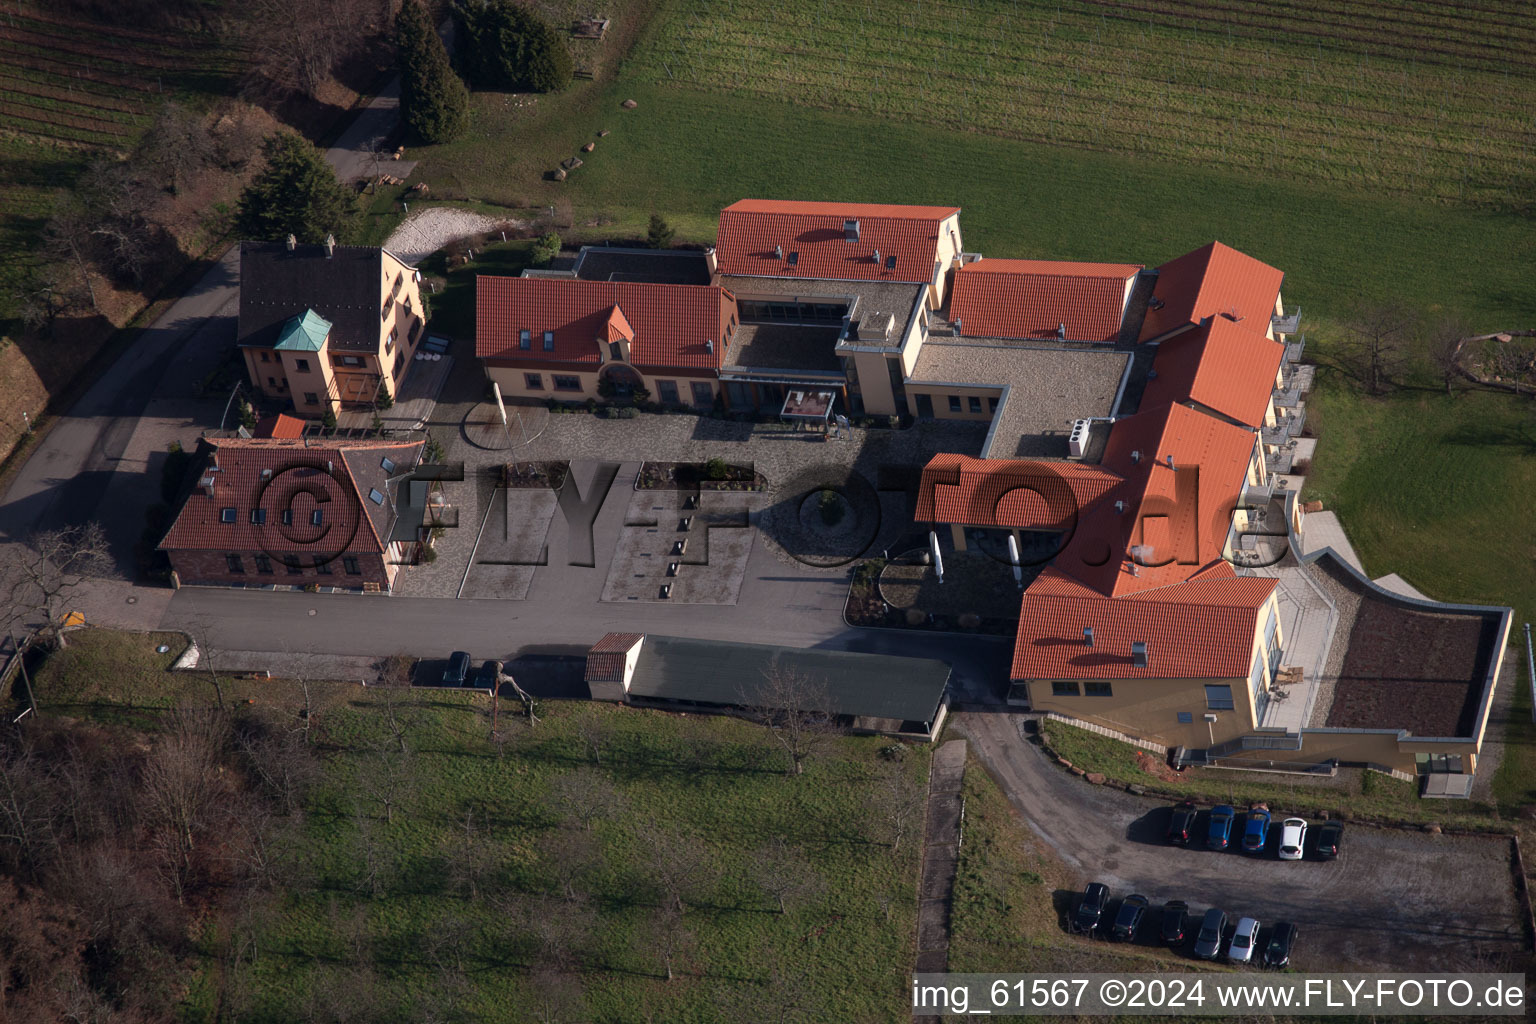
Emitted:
pixel 1432 98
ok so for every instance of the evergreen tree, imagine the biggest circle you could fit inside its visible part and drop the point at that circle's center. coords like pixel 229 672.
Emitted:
pixel 433 101
pixel 659 235
pixel 296 193
pixel 504 46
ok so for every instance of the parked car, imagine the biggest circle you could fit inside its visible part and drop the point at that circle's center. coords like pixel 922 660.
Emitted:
pixel 1091 907
pixel 1220 831
pixel 1174 912
pixel 487 676
pixel 1132 909
pixel 1256 831
pixel 457 670
pixel 1243 940
pixel 1278 952
pixel 1330 836
pixel 1208 942
pixel 1293 838
pixel 1182 824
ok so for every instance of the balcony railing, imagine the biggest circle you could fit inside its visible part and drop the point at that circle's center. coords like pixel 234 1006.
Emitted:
pixel 1287 426
pixel 1280 460
pixel 1294 347
pixel 1259 494
pixel 1286 324
pixel 1287 399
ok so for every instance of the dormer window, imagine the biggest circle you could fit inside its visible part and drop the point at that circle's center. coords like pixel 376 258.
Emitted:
pixel 227 515
pixel 287 517
pixel 525 340
pixel 316 517
pixel 549 341
pixel 259 516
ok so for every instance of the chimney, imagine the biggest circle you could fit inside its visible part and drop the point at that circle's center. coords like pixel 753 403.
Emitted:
pixel 877 256
pixel 206 483
pixel 959 327
pixel 709 345
pixel 292 243
pixel 851 230
pixel 1170 461
pixel 1139 653
pixel 1120 507
pixel 778 252
pixel 1135 455
pixel 1061 332
pixel 330 246
pixel 1087 636
pixel 711 260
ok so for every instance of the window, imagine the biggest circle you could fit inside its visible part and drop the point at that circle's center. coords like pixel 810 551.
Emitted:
pixel 566 382
pixel 264 564
pixel 1186 718
pixel 533 381
pixel 703 394
pixel 1219 698
pixel 322 565
pixel 376 496
pixel 350 565
pixel 293 564
pixel 1256 678
pixel 389 343
pixel 234 563
pixel 1064 690
pixel 259 516
pixel 549 341
pixel 265 356
pixel 349 360
pixel 287 517
pixel 992 405
pixel 975 403
pixel 954 403
pixel 666 390
pixel 525 340
pixel 388 464
pixel 310 398
pixel 272 382
pixel 226 515
pixel 317 517
pixel 1098 690
pixel 301 365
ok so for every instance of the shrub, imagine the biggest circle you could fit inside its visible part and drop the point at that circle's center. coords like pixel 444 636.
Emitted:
pixel 504 46
pixel 546 248
pixel 432 450
pixel 383 401
pixel 831 504
pixel 716 469
pixel 328 421
pixel 628 413
pixel 434 105
pixel 659 234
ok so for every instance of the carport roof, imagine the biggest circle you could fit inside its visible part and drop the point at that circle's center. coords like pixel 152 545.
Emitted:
pixel 733 674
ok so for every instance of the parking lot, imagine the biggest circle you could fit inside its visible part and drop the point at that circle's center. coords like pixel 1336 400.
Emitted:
pixel 1394 900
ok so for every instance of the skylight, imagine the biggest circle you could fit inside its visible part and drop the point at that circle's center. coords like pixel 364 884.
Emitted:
pixel 226 515
pixel 376 496
pixel 388 464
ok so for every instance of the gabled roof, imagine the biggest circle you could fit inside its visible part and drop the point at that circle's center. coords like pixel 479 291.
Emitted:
pixel 1032 298
pixel 305 332
pixel 346 289
pixel 1214 280
pixel 1222 365
pixel 605 659
pixel 669 324
pixel 282 425
pixel 1200 629
pixel 767 238
pixel 1023 494
pixel 1177 516
pixel 270 475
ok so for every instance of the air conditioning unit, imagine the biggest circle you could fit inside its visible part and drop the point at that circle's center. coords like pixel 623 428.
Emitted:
pixel 1077 441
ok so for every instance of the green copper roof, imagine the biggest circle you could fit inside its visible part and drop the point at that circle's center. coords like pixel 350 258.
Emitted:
pixel 303 333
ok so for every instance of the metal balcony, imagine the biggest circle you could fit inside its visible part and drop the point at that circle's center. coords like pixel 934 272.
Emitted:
pixel 1293 348
pixel 1287 426
pixel 1286 324
pixel 1288 399
pixel 1259 494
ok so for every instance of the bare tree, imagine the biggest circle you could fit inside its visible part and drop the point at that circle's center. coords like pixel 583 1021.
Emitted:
pixel 469 859
pixel 41 574
pixel 177 145
pixel 1446 338
pixel 898 799
pixel 1378 338
pixel 282 763
pixel 584 797
pixel 375 860
pixel 594 731
pixel 568 859
pixel 557 997
pixel 208 656
pixel 671 938
pixel 678 865
pixel 68 236
pixel 401 715
pixel 180 788
pixel 784 875
pixel 795 708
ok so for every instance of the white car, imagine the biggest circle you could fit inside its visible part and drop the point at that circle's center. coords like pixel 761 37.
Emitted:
pixel 1293 838
pixel 1243 941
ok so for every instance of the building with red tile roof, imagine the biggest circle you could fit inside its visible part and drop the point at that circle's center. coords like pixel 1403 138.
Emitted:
pixel 1215 280
pixel 840 242
pixel 1220 366
pixel 282 425
pixel 1026 299
pixel 278 511
pixel 564 337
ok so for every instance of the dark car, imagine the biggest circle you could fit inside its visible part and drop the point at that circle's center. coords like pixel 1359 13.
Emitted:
pixel 1220 832
pixel 1182 823
pixel 1329 837
pixel 1174 913
pixel 1208 942
pixel 1278 952
pixel 1132 909
pixel 1256 831
pixel 1091 907
pixel 457 670
pixel 486 676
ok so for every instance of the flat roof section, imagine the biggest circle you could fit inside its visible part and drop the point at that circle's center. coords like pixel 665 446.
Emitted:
pixel 788 348
pixel 869 297
pixel 653 266
pixel 732 675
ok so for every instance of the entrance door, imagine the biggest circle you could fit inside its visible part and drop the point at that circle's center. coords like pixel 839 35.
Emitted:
pixel 924 406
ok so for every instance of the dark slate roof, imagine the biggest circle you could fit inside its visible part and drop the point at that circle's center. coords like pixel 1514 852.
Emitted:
pixel 653 266
pixel 345 289
pixel 723 673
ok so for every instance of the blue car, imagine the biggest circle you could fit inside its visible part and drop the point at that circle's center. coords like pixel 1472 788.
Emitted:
pixel 1257 830
pixel 1221 827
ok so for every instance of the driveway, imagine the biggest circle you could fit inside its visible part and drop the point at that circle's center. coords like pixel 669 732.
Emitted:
pixel 1393 901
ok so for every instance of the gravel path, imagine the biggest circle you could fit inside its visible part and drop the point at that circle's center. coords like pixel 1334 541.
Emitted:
pixel 425 232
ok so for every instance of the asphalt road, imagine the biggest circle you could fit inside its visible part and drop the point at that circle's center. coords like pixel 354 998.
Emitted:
pixel 1394 900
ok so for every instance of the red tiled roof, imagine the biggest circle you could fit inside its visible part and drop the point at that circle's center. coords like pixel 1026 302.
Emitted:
pixel 618 326
pixel 1019 493
pixel 281 425
pixel 276 474
pixel 669 323
pixel 751 229
pixel 605 659
pixel 1214 280
pixel 1178 516
pixel 1031 298
pixel 1201 629
pixel 1220 364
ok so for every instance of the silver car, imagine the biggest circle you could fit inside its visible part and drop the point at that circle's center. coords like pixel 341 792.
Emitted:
pixel 1243 940
pixel 1208 942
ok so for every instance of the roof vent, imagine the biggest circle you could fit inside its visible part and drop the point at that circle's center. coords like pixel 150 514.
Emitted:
pixel 1170 461
pixel 1154 303
pixel 1061 332
pixel 1234 315
pixel 1135 456
pixel 959 327
pixel 709 345
pixel 1120 507
pixel 1087 636
pixel 877 255
pixel 292 243
pixel 778 252
pixel 266 474
pixel 851 230
pixel 1139 653
pixel 330 467
pixel 330 245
